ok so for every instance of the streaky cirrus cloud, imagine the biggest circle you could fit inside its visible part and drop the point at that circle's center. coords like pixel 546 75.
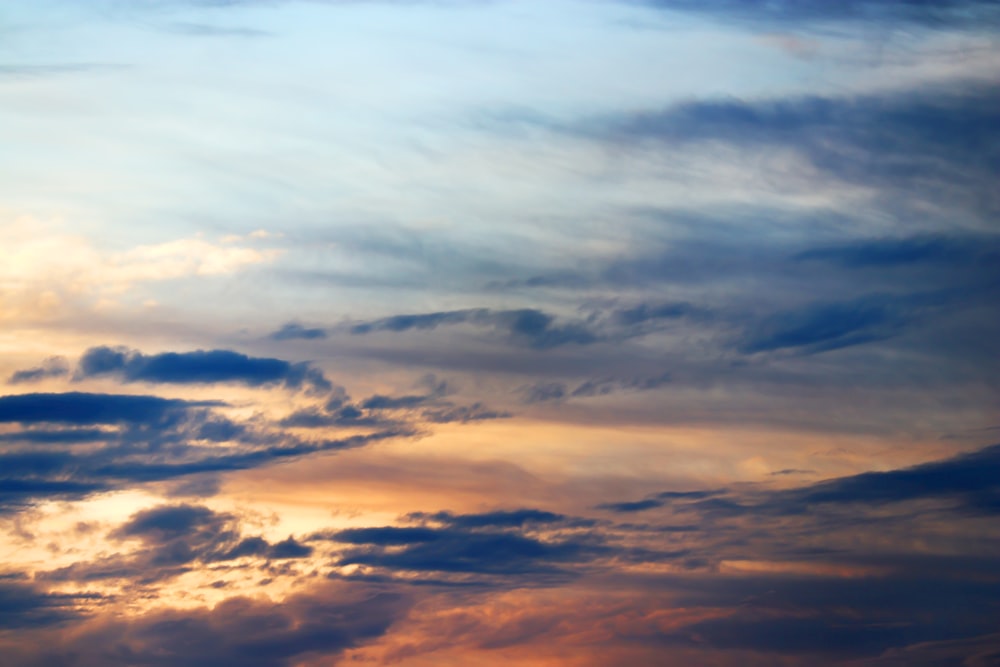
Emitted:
pixel 890 12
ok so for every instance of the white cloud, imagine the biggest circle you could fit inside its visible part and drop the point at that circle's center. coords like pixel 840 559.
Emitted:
pixel 45 268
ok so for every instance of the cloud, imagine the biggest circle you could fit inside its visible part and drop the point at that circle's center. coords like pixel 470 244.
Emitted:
pixel 175 539
pixel 295 331
pixel 244 631
pixel 24 606
pixel 471 553
pixel 448 414
pixel 489 544
pixel 199 367
pixel 949 250
pixel 82 409
pixel 51 368
pixel 498 519
pixel 526 326
pixel 969 483
pixel 645 312
pixel 149 439
pixel 934 146
pixel 972 480
pixel 49 271
pixel 820 327
pixel 659 500
pixel 935 14
pixel 386 411
pixel 66 436
pixel 549 392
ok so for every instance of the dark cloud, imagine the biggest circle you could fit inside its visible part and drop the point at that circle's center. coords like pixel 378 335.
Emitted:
pixel 199 367
pixel 611 385
pixel 24 606
pixel 490 544
pixel 387 535
pixel 399 323
pixel 386 411
pixel 783 12
pixel 78 408
pixel 972 480
pixel 238 631
pixel 345 416
pixel 499 519
pixel 289 548
pixel 175 539
pixel 51 368
pixel 526 326
pixel 474 553
pixel 820 327
pixel 936 147
pixel 295 331
pixel 435 391
pixel 66 436
pixel 831 618
pixel 632 506
pixel 379 402
pixel 547 392
pixel 645 312
pixel 463 414
pixel 659 500
pixel 544 392
pixel 841 576
pixel 923 249
pixel 155 440
pixel 969 483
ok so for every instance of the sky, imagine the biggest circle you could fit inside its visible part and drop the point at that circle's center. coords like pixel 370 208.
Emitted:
pixel 499 332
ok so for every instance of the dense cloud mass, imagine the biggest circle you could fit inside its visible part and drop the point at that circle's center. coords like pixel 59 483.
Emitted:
pixel 569 333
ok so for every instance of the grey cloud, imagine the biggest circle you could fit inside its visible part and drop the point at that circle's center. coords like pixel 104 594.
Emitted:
pixel 199 367
pixel 51 368
pixel 174 539
pixel 295 331
pixel 153 440
pixel 24 606
pixel 934 146
pixel 821 327
pixel 244 631
pixel 527 326
pixel 81 409
pixel 784 13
